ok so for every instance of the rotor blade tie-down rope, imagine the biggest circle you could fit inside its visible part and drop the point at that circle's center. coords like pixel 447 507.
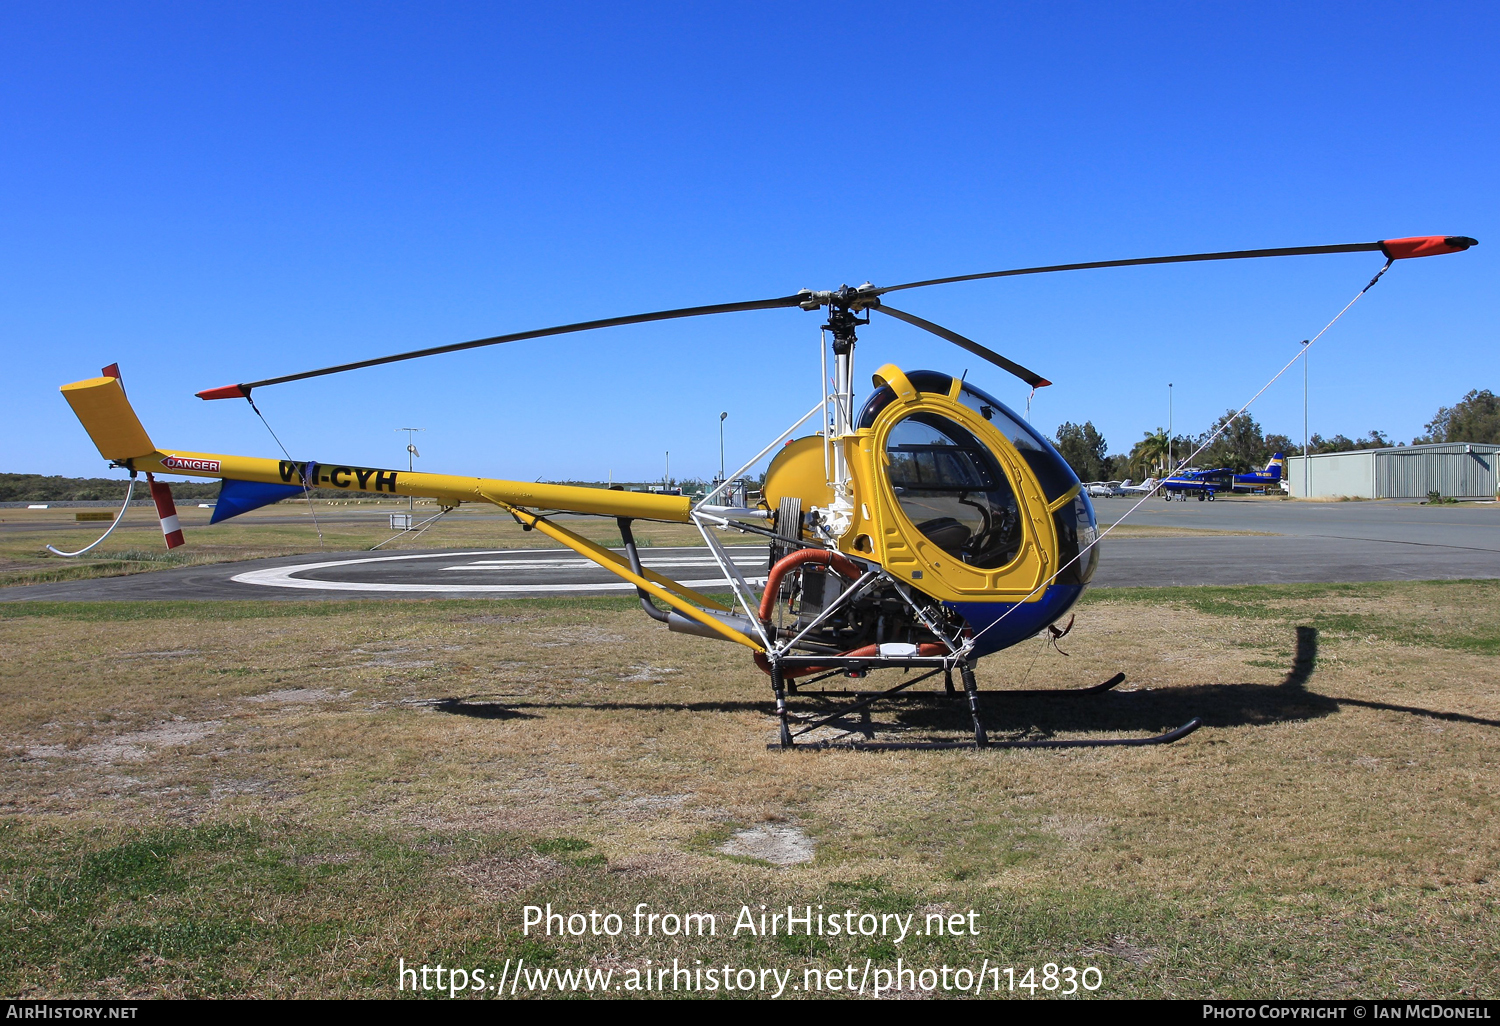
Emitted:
pixel 1302 354
pixel 129 491
pixel 418 529
pixel 306 491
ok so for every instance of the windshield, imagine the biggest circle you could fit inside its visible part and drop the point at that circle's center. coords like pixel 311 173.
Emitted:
pixel 953 490
pixel 1056 477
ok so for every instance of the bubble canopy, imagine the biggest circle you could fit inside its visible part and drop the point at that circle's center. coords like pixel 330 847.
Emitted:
pixel 1056 477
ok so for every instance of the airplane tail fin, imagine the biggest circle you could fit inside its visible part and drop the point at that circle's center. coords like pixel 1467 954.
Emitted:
pixel 1274 468
pixel 107 416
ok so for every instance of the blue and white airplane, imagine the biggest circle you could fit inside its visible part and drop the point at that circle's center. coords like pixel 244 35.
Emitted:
pixel 1261 480
pixel 1206 483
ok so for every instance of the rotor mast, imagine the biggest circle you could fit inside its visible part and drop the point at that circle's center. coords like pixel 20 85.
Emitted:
pixel 844 305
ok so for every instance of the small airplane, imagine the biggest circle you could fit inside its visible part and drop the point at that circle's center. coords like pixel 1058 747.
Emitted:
pixel 922 530
pixel 1206 483
pixel 1103 489
pixel 1201 483
pixel 1146 487
pixel 1261 480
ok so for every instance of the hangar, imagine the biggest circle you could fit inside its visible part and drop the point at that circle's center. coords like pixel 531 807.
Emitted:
pixel 1458 470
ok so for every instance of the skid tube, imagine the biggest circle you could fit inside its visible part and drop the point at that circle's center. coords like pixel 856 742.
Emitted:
pixel 861 665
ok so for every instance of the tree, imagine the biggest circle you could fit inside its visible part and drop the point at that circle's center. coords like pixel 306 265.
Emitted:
pixel 1241 447
pixel 1149 456
pixel 1085 450
pixel 1282 444
pixel 1343 443
pixel 1476 418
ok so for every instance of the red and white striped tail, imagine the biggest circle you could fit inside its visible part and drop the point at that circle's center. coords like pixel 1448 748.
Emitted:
pixel 161 493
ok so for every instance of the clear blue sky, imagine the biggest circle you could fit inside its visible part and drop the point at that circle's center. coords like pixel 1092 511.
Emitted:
pixel 211 193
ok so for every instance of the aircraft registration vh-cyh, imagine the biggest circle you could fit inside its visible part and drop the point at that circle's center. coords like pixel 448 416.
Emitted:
pixel 925 530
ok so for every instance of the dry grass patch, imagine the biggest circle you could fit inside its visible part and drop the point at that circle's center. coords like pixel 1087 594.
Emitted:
pixel 319 791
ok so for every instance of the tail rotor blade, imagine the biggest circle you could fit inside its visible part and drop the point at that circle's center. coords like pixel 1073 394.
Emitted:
pixel 1031 377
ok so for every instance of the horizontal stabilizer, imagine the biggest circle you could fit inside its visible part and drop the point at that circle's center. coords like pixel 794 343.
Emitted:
pixel 101 405
pixel 236 497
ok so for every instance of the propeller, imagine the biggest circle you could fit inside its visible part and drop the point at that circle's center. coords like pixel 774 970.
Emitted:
pixel 867 297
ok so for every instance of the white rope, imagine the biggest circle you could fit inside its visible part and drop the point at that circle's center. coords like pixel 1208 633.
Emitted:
pixel 1301 354
pixel 417 530
pixel 306 491
pixel 129 490
pixel 755 459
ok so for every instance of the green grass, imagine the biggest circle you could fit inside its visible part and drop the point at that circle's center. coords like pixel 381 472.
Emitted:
pixel 1431 614
pixel 278 910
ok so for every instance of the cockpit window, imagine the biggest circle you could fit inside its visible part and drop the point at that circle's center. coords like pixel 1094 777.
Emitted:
pixel 952 489
pixel 1057 478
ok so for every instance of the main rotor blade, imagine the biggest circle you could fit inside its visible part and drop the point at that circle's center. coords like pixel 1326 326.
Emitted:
pixel 1394 249
pixel 1031 378
pixel 242 390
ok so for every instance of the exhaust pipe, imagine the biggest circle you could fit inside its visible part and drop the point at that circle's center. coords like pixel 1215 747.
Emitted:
pixel 682 625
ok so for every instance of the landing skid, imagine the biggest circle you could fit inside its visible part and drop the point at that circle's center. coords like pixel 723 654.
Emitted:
pixel 921 746
pixel 793 726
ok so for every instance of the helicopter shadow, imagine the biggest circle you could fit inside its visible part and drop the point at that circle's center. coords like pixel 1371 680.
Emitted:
pixel 1016 715
pixel 1033 715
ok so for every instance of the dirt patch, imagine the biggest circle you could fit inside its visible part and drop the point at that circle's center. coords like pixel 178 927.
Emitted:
pixel 296 696
pixel 777 843
pixel 647 675
pixel 140 744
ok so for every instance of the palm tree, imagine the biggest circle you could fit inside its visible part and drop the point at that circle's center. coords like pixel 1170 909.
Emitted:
pixel 1150 454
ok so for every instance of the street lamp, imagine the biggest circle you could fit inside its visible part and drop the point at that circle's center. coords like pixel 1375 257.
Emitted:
pixel 1170 465
pixel 721 445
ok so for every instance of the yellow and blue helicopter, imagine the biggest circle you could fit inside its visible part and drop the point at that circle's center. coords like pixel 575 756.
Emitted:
pixel 925 530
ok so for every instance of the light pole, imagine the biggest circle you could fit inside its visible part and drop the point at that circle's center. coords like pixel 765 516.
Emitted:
pixel 721 445
pixel 1170 465
pixel 1305 344
pixel 411 454
pixel 667 481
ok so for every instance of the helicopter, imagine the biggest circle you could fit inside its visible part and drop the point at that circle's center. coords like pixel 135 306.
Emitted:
pixel 923 531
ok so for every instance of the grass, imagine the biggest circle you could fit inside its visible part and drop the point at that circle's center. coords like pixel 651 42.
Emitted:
pixel 281 800
pixel 1437 614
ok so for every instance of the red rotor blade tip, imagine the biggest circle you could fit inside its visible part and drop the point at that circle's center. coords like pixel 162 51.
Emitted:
pixel 112 371
pixel 227 392
pixel 1425 245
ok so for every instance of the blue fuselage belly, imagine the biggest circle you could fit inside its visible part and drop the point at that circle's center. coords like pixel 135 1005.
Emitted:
pixel 1010 628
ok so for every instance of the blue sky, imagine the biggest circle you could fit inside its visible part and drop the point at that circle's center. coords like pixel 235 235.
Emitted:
pixel 210 193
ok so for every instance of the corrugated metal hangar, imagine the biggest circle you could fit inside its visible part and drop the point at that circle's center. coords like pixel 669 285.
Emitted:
pixel 1457 470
